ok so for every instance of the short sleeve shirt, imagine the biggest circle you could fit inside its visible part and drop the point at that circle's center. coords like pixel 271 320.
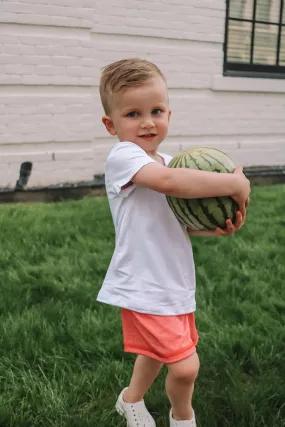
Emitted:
pixel 152 267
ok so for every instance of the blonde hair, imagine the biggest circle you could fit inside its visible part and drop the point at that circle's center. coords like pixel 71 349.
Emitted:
pixel 124 74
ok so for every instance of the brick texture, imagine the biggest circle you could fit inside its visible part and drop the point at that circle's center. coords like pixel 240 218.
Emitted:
pixel 55 56
pixel 73 13
pixel 187 20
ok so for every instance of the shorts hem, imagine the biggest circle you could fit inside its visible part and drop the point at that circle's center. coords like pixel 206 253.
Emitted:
pixel 166 360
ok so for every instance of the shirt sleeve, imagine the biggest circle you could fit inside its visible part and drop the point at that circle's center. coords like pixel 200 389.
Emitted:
pixel 166 158
pixel 124 161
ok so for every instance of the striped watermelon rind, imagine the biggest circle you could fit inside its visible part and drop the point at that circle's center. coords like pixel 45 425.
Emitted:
pixel 207 213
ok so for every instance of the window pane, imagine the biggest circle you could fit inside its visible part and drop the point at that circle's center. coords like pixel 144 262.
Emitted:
pixel 236 8
pixel 282 49
pixel 248 9
pixel 239 40
pixel 263 10
pixel 275 10
pixel 265 44
pixel 242 9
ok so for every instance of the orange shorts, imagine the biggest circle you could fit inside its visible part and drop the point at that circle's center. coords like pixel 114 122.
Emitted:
pixel 164 338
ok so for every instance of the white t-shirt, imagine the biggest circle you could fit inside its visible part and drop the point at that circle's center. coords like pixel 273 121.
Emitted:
pixel 152 268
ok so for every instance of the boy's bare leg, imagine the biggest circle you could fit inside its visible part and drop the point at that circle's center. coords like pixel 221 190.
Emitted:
pixel 144 373
pixel 179 386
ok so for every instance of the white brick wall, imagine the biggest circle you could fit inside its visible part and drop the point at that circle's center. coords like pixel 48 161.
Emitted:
pixel 51 54
pixel 33 55
pixel 187 64
pixel 186 20
pixel 73 13
pixel 37 119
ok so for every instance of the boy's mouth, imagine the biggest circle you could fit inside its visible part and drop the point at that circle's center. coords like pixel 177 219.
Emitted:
pixel 148 135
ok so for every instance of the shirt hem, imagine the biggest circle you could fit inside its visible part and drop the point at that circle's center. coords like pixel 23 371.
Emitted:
pixel 177 309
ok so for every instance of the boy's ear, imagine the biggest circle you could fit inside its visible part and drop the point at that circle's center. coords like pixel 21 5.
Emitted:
pixel 109 125
pixel 169 114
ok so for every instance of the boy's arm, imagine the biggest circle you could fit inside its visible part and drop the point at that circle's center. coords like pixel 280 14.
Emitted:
pixel 191 183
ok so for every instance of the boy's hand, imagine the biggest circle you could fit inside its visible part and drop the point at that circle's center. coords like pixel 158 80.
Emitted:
pixel 231 228
pixel 242 197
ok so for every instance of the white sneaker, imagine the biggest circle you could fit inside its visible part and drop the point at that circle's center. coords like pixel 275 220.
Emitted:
pixel 136 414
pixel 183 423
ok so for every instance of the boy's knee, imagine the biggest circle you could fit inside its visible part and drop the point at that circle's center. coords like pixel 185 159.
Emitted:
pixel 185 370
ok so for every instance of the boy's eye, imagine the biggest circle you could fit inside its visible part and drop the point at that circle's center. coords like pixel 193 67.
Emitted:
pixel 132 114
pixel 156 111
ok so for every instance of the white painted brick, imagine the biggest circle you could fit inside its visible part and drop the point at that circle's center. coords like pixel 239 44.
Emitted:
pixel 9 59
pixel 69 80
pixel 40 14
pixel 263 145
pixel 61 165
pixel 4 167
pixel 83 3
pixel 74 155
pixel 46 53
pixel 26 157
pixel 8 39
pixel 33 80
pixel 46 147
pixel 173 19
pixel 79 51
pixel 7 138
pixel 11 49
pixel 88 62
pixel 19 69
pixel 49 70
pixel 170 21
pixel 36 137
pixel 158 32
pixel 258 157
pixel 67 136
pixel 80 71
pixel 45 9
pixel 10 79
pixel 64 61
pixel 27 50
pixel 4 176
pixel 58 177
pixel 38 59
pixel 186 64
pixel 60 124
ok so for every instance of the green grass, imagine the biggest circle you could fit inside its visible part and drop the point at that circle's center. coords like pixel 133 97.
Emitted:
pixel 61 357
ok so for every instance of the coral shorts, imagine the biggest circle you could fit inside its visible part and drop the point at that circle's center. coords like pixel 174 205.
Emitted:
pixel 168 339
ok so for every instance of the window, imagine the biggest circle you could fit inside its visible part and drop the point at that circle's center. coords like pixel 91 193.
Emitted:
pixel 255 38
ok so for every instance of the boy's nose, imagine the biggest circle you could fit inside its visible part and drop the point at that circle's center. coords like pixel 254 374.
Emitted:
pixel 147 123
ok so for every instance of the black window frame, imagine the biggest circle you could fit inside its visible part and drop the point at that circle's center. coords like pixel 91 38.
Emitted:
pixel 239 69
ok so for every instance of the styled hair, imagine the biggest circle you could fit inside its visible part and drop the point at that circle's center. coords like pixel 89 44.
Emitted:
pixel 124 74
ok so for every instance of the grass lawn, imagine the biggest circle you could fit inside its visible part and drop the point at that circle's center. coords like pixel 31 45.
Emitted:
pixel 61 357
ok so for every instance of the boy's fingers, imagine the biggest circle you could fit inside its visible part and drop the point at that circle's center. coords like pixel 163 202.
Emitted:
pixel 239 219
pixel 242 209
pixel 238 169
pixel 220 231
pixel 230 226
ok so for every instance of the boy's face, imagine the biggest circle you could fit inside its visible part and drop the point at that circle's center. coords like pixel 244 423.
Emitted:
pixel 141 115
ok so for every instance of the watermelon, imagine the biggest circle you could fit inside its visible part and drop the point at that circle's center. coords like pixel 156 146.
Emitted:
pixel 206 213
